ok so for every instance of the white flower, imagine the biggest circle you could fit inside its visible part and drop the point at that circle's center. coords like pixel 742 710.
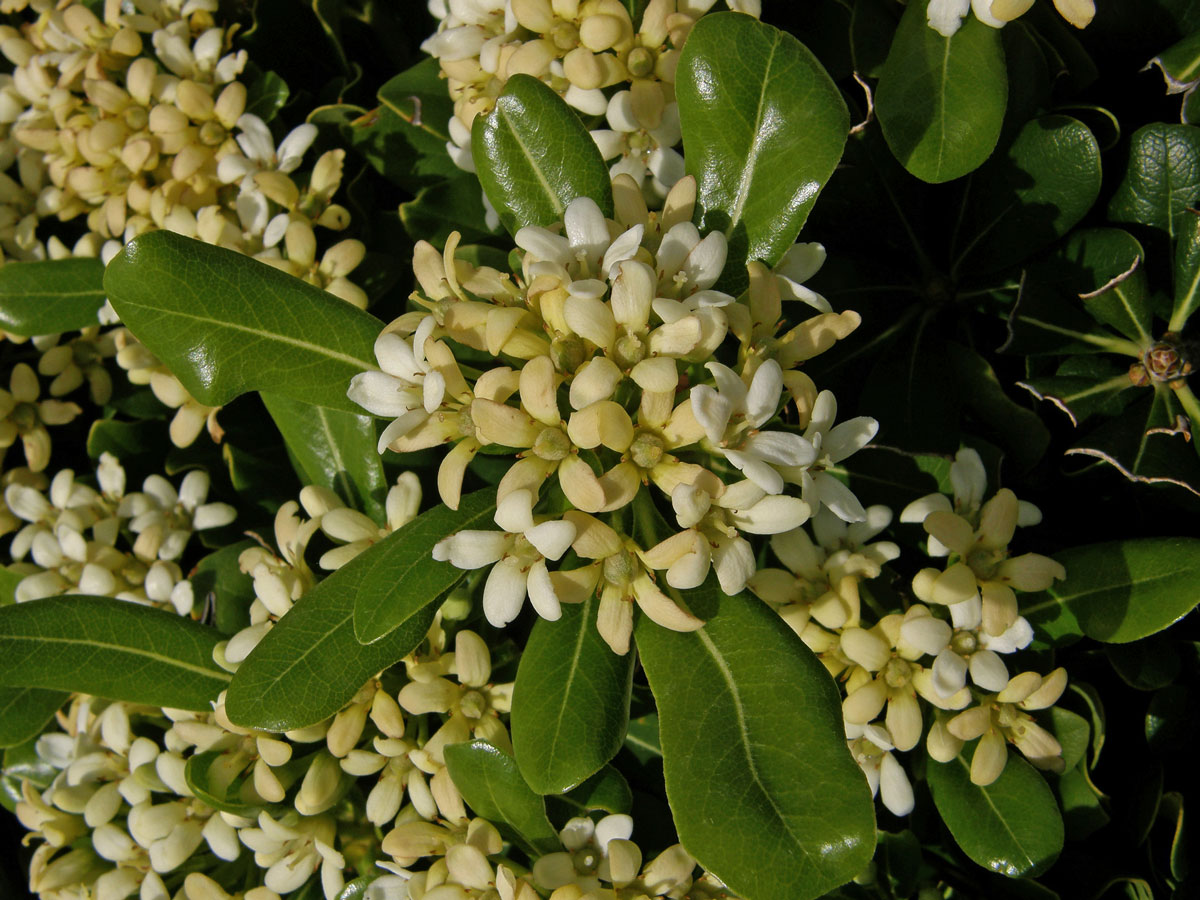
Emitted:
pixel 871 746
pixel 406 388
pixel 832 445
pixel 518 558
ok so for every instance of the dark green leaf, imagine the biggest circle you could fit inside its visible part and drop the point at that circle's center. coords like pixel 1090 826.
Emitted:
pixel 1171 718
pixel 452 205
pixel 607 790
pixel 403 577
pixel 763 128
pixel 1085 386
pixel 111 648
pixel 22 763
pixel 224 781
pixel 1146 665
pixel 333 449
pixel 641 738
pixel 534 156
pixel 8 584
pixel 357 889
pixel 1111 280
pixel 1011 826
pixel 1015 427
pixel 50 296
pixel 1180 64
pixel 1072 732
pixel 1035 193
pixel 570 702
pixel 232 589
pixel 872 25
pixel 900 855
pixel 1083 813
pixel 266 93
pixel 1163 177
pixel 131 442
pixel 24 712
pixel 1171 815
pixel 1122 590
pixel 310 664
pixel 492 786
pixel 941 100
pixel 748 712
pixel 1187 272
pixel 226 324
pixel 405 139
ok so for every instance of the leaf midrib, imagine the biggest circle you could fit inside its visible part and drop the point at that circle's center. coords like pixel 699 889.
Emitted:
pixel 218 674
pixel 1064 600
pixel 555 202
pixel 749 171
pixel 1000 818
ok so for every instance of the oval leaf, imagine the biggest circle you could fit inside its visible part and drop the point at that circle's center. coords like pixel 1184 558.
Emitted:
pixel 747 712
pixel 534 156
pixel 1011 826
pixel 310 664
pixel 940 101
pixel 1121 591
pixel 50 296
pixel 763 126
pixel 24 712
pixel 110 648
pixel 1045 183
pixel 570 702
pixel 333 449
pixel 492 786
pixel 403 576
pixel 226 324
pixel 1162 181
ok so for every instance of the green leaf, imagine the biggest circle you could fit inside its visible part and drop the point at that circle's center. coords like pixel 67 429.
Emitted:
pixel 1072 732
pixel 492 786
pixel 1162 180
pixel 233 590
pixel 1085 386
pixel 763 128
pixel 111 648
pixel 1120 591
pixel 266 93
pixel 1180 64
pixel 451 205
pixel 1111 280
pixel 1083 814
pixel 8 585
pixel 50 296
pixel 1011 826
pixel 1146 665
pixel 1187 273
pixel 403 577
pixel 641 738
pixel 607 790
pixel 405 139
pixel 333 449
pixel 571 701
pixel 224 781
pixel 754 753
pixel 534 156
pixel 24 712
pixel 310 664
pixel 872 25
pixel 940 101
pixel 226 324
pixel 1035 193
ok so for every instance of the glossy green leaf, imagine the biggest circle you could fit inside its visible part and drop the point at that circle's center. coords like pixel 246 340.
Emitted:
pixel 1120 591
pixel 1083 813
pixel 24 712
pixel 1187 273
pixel 357 889
pixel 1011 826
pixel 1072 732
pixel 226 324
pixel 50 296
pixel 1180 64
pixel 1045 183
pixel 1085 386
pixel 1171 815
pixel 491 785
pixel 111 648
pixel 224 781
pixel 405 139
pixel 763 128
pixel 570 702
pixel 333 449
pixel 22 763
pixel 266 93
pixel 232 590
pixel 940 101
pixel 607 790
pixel 1162 180
pixel 310 664
pixel 534 156
pixel 748 713
pixel 1112 281
pixel 403 577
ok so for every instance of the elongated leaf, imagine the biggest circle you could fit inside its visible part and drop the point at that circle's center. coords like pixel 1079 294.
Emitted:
pixel 333 449
pixel 492 786
pixel 310 663
pixel 403 577
pixel 570 702
pixel 748 713
pixel 1036 192
pixel 1180 63
pixel 1112 280
pixel 1011 826
pixel 534 156
pixel 607 790
pixel 1122 590
pixel 763 127
pixel 1163 177
pixel 941 100
pixel 1187 273
pixel 111 648
pixel 50 296
pixel 24 712
pixel 226 324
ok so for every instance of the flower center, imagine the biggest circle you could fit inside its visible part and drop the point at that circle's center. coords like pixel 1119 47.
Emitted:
pixel 618 568
pixel 551 445
pixel 646 450
pixel 640 62
pixel 897 673
pixel 473 705
pixel 964 643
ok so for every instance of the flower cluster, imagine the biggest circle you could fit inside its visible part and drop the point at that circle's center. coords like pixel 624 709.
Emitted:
pixel 614 326
pixel 946 16
pixel 135 120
